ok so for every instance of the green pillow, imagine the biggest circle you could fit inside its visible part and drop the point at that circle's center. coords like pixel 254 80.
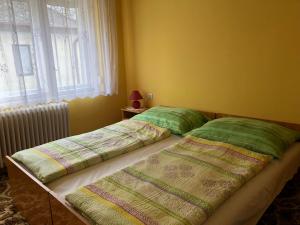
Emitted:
pixel 177 120
pixel 256 135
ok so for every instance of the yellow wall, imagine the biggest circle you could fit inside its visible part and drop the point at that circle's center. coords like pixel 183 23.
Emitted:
pixel 92 113
pixel 232 56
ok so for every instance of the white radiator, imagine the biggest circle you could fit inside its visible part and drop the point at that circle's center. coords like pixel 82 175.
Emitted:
pixel 24 128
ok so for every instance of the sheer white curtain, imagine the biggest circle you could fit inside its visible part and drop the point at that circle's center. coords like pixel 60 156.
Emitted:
pixel 50 50
pixel 106 14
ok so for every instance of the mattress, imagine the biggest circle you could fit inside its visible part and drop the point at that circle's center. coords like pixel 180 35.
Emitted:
pixel 71 182
pixel 245 207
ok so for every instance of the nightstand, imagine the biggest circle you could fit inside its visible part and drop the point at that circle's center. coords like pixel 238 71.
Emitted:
pixel 129 112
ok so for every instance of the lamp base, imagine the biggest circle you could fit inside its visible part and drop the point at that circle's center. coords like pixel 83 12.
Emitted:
pixel 136 104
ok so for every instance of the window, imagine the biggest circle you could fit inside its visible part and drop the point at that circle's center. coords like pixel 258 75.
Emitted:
pixel 15 48
pixel 64 36
pixel 48 51
pixel 22 60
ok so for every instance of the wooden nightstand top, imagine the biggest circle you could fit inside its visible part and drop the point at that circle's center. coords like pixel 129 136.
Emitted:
pixel 133 110
pixel 128 112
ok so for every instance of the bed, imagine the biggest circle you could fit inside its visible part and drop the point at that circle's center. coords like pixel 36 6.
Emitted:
pixel 33 198
pixel 54 210
pixel 256 195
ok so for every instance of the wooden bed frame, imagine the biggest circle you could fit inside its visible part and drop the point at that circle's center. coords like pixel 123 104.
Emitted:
pixel 41 206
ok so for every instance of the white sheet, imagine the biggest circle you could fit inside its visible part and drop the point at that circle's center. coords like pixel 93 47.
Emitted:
pixel 245 207
pixel 248 204
pixel 70 183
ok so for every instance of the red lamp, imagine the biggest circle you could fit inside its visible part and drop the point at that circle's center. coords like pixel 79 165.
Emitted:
pixel 135 97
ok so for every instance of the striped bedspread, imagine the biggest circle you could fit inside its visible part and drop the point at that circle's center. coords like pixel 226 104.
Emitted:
pixel 182 184
pixel 58 158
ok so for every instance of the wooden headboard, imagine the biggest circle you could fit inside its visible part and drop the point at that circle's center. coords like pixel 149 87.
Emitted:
pixel 216 115
pixel 210 115
pixel 293 126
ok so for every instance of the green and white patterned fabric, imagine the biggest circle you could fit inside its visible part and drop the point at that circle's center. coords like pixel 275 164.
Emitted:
pixel 183 184
pixel 256 135
pixel 177 120
pixel 65 156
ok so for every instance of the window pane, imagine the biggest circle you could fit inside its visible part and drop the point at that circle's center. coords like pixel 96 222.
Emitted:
pixel 8 73
pixel 62 16
pixel 22 58
pixel 63 59
pixel 16 49
pixel 21 12
pixel 65 43
pixel 4 15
